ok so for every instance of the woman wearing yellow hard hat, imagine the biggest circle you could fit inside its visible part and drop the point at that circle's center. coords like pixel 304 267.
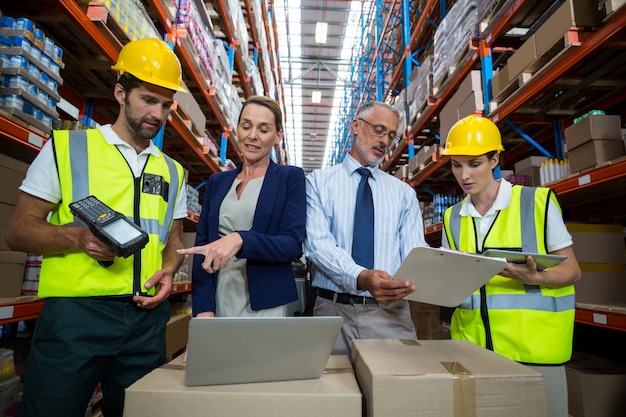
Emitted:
pixel 523 313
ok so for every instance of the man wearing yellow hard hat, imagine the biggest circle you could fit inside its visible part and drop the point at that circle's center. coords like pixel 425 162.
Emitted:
pixel 104 317
pixel 522 313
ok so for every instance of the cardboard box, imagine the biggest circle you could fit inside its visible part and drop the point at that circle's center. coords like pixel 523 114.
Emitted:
pixel 12 265
pixel 530 166
pixel 436 378
pixel 593 153
pixel 601 284
pixel 593 127
pixel 598 243
pixel 176 333
pixel 5 213
pixel 595 388
pixel 522 59
pixel 162 393
pixel 499 81
pixel 581 13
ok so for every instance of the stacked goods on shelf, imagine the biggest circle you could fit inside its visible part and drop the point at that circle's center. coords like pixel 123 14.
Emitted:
pixel 12 263
pixel 553 169
pixel 191 113
pixel 194 18
pixel 424 156
pixel 132 18
pixel 433 212
pixel 420 87
pixel 240 25
pixel 593 140
pixel 549 40
pixel 595 386
pixel 530 167
pixel 9 381
pixel 467 99
pixel 255 77
pixel 193 200
pixel 30 70
pixel 610 7
pixel 601 253
pixel 452 40
pixel 30 285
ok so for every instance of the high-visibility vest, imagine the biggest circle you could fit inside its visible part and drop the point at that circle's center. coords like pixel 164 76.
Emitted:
pixel 88 165
pixel 526 323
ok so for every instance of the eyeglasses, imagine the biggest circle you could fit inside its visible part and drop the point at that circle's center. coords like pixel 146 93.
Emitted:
pixel 380 131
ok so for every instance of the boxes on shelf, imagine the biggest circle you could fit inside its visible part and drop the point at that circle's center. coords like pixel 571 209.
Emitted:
pixel 593 153
pixel 443 378
pixel 611 6
pixel 467 99
pixel 176 333
pixel 423 156
pixel 601 284
pixel 522 59
pixel 601 253
pixel 530 166
pixel 593 127
pixel 192 110
pixel 163 393
pixel 12 172
pixel 595 387
pixel 572 13
pixel 598 243
pixel 12 266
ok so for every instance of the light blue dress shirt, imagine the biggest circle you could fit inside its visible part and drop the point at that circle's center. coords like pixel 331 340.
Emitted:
pixel 331 197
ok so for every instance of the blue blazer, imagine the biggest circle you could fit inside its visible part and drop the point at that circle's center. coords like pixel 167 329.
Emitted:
pixel 273 242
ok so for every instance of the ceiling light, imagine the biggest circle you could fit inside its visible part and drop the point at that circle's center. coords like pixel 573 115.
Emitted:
pixel 316 97
pixel 321 30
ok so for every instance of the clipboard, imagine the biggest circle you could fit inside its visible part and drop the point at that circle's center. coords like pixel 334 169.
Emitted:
pixel 542 260
pixel 446 277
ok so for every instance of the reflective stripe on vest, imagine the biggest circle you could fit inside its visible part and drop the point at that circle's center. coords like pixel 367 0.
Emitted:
pixel 528 323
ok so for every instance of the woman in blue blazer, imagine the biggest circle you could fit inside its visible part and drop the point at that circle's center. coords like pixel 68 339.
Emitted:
pixel 251 226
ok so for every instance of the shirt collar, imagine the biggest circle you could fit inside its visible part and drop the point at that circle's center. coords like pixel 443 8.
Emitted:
pixel 503 200
pixel 113 139
pixel 351 165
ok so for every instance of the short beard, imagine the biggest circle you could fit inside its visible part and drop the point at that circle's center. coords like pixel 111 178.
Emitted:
pixel 135 124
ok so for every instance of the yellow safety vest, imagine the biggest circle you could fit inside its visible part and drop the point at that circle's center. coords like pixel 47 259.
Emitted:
pixel 88 165
pixel 526 323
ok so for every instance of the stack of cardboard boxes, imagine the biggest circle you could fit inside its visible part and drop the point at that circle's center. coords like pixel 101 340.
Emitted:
pixel 12 172
pixel 594 140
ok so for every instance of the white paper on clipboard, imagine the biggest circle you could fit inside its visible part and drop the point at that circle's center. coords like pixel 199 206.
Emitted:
pixel 446 277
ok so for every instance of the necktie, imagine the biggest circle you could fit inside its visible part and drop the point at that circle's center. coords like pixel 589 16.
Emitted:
pixel 363 235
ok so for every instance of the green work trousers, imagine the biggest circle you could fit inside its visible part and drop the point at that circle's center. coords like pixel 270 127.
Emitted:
pixel 80 342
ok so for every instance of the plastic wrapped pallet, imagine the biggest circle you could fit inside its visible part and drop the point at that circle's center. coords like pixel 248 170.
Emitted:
pixel 452 38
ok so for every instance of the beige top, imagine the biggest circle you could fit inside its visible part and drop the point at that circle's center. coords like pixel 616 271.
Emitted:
pixel 232 297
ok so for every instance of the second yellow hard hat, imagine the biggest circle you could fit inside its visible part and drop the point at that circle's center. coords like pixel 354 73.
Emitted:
pixel 473 135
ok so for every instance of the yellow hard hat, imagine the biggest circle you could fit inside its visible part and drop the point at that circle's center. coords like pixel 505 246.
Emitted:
pixel 473 135
pixel 152 61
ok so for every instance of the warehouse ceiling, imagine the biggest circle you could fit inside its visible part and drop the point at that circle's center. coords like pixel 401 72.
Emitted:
pixel 307 66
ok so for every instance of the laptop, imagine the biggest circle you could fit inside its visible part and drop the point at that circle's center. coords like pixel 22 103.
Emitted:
pixel 235 350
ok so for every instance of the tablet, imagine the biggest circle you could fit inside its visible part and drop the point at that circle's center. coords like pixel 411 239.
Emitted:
pixel 543 260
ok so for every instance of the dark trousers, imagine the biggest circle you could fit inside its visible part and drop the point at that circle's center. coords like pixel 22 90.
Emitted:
pixel 80 342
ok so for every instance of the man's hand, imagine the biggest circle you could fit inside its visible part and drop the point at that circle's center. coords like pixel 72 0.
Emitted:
pixel 162 279
pixel 383 287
